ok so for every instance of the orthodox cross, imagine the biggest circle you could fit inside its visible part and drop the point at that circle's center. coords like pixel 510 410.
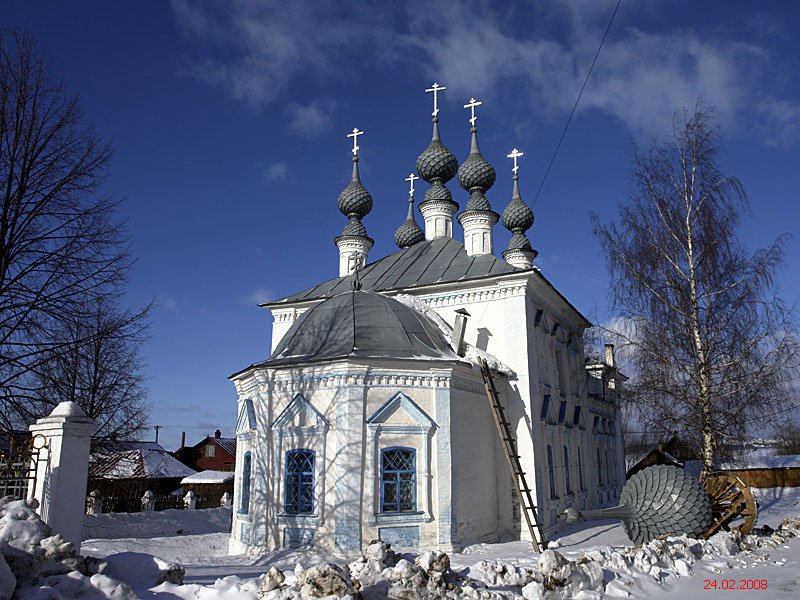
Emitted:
pixel 411 178
pixel 435 88
pixel 471 106
pixel 355 135
pixel 515 154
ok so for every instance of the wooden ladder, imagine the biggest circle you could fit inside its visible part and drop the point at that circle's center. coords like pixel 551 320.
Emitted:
pixel 526 503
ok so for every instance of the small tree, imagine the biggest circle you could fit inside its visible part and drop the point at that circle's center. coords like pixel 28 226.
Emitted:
pixel 713 342
pixel 62 251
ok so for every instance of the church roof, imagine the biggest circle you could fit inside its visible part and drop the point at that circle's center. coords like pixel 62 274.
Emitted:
pixel 360 324
pixel 439 260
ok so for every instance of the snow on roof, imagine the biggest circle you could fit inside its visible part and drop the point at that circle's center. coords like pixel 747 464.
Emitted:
pixel 208 477
pixel 763 458
pixel 148 461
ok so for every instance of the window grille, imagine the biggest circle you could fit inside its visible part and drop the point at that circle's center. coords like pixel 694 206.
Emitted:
pixel 599 468
pixel 299 482
pixel 398 480
pixel 247 463
pixel 209 451
pixel 551 472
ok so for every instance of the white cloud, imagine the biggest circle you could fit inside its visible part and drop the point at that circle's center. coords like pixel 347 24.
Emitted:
pixel 476 48
pixel 778 121
pixel 276 172
pixel 258 296
pixel 167 303
pixel 311 119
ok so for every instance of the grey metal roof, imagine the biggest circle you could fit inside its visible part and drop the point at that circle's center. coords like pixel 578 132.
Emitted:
pixel 360 324
pixel 432 261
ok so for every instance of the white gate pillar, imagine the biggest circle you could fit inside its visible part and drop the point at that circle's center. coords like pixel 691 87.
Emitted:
pixel 63 469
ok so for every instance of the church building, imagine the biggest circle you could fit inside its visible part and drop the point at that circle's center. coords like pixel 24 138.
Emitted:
pixel 370 420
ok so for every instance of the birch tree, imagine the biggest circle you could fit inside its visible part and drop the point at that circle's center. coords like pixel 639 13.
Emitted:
pixel 714 345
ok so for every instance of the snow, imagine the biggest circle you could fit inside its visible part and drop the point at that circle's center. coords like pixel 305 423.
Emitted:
pixel 589 560
pixel 471 353
pixel 764 458
pixel 67 409
pixel 208 477
pixel 145 461
pixel 163 523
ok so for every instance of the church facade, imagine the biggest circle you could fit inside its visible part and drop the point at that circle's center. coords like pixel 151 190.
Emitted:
pixel 370 421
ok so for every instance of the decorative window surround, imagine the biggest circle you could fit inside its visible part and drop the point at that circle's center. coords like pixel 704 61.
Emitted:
pixel 246 423
pixel 285 437
pixel 376 426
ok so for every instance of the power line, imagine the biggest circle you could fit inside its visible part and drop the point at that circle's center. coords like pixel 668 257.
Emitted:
pixel 575 106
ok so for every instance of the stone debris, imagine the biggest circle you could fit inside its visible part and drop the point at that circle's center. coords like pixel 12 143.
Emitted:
pixel 380 573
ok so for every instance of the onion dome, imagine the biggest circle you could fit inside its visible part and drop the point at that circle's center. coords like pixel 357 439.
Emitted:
pixel 476 172
pixel 476 175
pixel 354 227
pixel 355 200
pixel 518 218
pixel 409 233
pixel 436 161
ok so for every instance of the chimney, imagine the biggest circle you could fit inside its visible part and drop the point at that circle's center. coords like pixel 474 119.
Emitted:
pixel 183 439
pixel 609 353
pixel 218 433
pixel 459 328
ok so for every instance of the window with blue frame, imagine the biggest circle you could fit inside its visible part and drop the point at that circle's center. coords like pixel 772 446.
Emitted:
pixel 299 494
pixel 247 465
pixel 398 480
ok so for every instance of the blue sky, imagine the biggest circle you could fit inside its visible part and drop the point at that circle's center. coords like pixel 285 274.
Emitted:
pixel 228 121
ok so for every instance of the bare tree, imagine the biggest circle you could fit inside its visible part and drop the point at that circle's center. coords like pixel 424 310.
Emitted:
pixel 62 250
pixel 714 344
pixel 97 364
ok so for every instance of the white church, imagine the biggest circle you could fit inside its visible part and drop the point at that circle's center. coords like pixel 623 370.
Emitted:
pixel 369 420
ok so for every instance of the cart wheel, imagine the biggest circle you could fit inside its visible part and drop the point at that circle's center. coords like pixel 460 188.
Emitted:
pixel 731 499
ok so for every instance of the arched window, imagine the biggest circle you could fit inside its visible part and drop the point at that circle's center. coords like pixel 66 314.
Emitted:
pixel 247 465
pixel 566 470
pixel 599 468
pixel 551 472
pixel 299 495
pixel 398 480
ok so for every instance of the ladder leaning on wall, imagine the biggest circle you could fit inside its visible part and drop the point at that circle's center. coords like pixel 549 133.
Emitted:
pixel 526 503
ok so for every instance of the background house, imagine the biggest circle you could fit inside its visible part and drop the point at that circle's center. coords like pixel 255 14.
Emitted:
pixel 212 453
pixel 125 472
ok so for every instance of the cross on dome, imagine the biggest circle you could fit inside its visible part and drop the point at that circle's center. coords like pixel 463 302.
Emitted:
pixel 435 88
pixel 355 133
pixel 411 178
pixel 471 106
pixel 515 154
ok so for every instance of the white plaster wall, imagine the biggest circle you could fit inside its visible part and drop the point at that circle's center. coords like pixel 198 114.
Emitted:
pixel 502 323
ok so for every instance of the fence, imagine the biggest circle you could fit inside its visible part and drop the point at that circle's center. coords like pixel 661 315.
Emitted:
pixel 97 503
pixel 18 466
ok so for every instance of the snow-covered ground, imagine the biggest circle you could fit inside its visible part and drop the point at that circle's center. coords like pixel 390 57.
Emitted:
pixel 197 540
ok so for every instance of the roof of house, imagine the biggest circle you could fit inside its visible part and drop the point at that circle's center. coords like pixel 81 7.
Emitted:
pixel 433 261
pixel 209 477
pixel 136 460
pixel 361 324
pixel 227 444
